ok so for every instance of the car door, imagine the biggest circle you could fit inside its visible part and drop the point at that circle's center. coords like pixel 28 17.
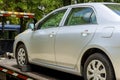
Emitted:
pixel 78 30
pixel 42 40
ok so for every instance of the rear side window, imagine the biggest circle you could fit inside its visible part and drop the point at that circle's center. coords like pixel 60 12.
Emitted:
pixel 79 16
pixel 114 7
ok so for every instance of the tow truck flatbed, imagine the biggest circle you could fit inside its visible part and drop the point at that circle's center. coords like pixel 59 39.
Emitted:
pixel 9 67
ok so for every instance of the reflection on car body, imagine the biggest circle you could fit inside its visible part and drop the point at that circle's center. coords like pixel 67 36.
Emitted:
pixel 81 39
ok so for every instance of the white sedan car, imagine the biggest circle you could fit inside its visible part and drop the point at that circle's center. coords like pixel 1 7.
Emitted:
pixel 82 39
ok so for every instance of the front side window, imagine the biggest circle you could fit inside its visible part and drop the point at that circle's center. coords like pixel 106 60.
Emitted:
pixel 79 16
pixel 53 20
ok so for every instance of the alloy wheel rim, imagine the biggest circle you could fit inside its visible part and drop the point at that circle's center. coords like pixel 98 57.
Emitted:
pixel 96 70
pixel 21 56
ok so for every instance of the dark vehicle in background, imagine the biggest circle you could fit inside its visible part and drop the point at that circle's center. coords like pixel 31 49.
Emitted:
pixel 7 37
pixel 9 31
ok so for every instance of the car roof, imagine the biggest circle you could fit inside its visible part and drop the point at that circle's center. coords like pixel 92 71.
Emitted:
pixel 95 3
pixel 11 27
pixel 89 4
pixel 98 7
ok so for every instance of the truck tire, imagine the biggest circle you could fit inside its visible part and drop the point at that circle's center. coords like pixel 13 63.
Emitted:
pixel 98 67
pixel 21 56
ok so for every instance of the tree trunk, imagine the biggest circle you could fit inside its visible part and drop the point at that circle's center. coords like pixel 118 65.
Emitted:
pixel 78 1
pixel 81 1
pixel 66 2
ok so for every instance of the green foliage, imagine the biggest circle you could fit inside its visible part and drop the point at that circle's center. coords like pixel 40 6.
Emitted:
pixel 1 1
pixel 32 5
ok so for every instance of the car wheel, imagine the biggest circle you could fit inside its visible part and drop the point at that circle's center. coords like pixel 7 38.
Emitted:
pixel 21 56
pixel 98 67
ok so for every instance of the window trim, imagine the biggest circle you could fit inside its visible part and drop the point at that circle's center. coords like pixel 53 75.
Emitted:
pixel 82 6
pixel 47 16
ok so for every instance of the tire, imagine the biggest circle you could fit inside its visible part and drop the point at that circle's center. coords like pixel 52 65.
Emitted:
pixel 98 67
pixel 21 56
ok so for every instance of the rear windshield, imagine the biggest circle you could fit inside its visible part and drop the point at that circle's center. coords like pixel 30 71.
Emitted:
pixel 114 7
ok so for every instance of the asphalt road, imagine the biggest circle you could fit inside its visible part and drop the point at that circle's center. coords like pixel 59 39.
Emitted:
pixel 54 74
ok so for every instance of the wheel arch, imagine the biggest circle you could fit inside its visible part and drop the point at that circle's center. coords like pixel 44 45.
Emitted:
pixel 19 43
pixel 90 52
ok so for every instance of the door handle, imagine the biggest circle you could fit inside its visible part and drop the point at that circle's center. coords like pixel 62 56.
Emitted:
pixel 52 34
pixel 85 33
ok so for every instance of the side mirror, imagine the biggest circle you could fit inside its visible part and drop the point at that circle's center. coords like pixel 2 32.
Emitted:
pixel 30 26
